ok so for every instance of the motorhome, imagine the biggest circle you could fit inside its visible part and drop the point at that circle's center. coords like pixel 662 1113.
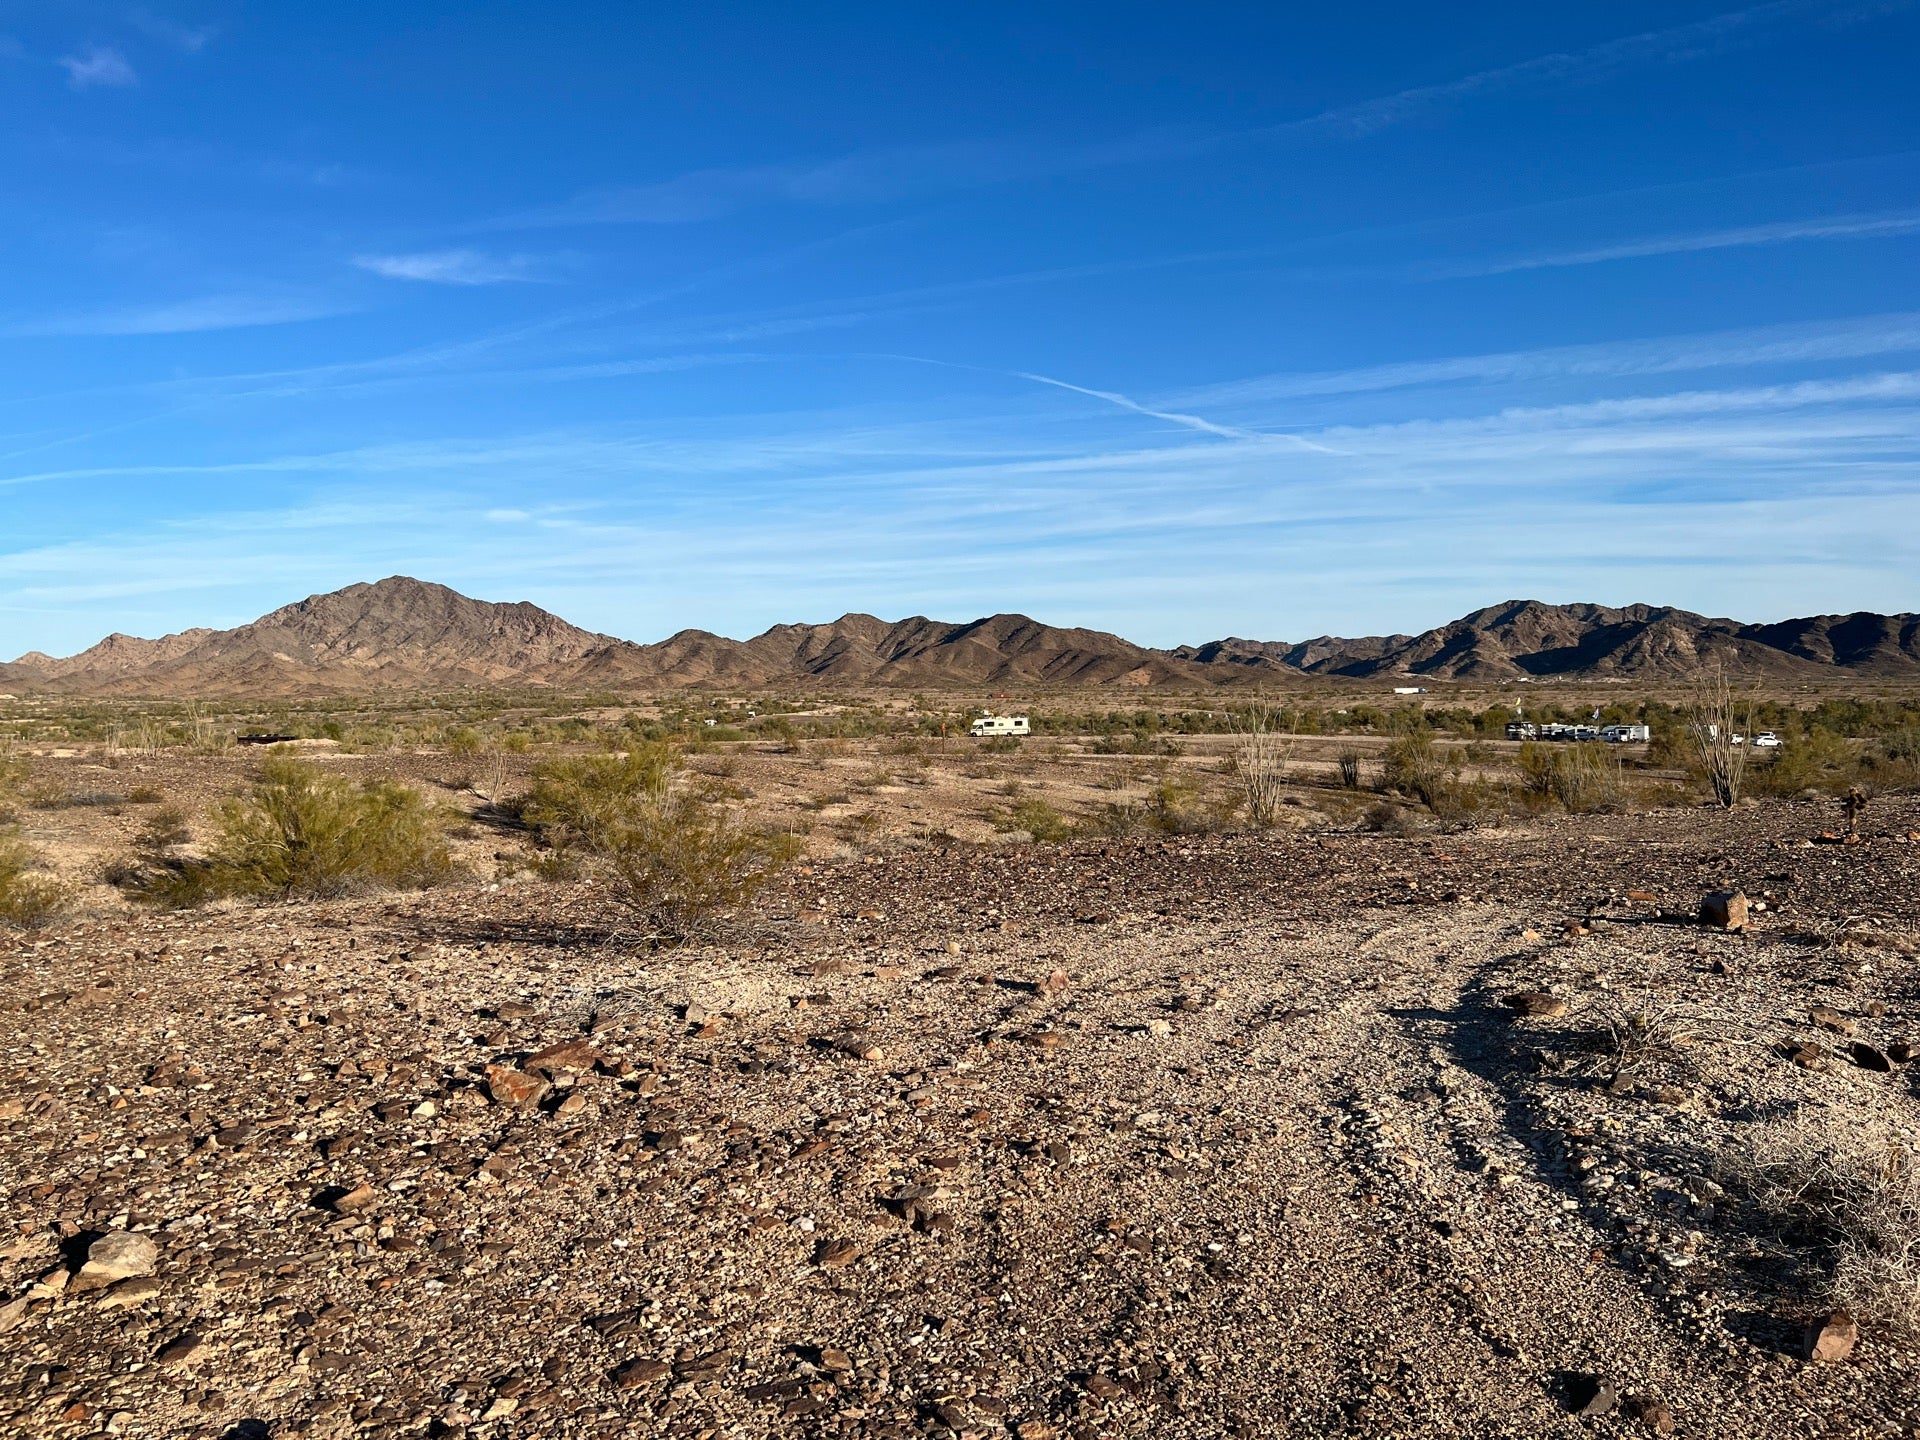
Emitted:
pixel 992 725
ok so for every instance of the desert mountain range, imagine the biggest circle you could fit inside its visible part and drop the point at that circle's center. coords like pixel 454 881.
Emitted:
pixel 407 634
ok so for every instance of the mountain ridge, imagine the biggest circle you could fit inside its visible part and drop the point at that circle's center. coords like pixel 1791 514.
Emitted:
pixel 413 634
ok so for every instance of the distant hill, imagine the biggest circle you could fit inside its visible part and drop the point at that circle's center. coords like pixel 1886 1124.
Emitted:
pixel 1528 638
pixel 410 635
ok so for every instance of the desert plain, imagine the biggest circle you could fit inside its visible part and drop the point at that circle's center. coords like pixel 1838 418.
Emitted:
pixel 1039 1092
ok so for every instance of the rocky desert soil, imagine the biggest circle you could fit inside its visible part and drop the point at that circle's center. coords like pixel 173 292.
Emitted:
pixel 1184 1137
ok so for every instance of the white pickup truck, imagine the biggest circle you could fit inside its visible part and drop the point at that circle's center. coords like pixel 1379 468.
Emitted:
pixel 991 725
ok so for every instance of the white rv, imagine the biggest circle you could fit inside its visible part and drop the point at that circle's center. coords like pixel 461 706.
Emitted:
pixel 988 726
pixel 1627 734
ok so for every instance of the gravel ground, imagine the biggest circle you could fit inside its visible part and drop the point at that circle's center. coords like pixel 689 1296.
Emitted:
pixel 1208 1136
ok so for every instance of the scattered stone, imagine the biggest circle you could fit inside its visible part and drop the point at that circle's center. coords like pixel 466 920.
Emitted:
pixel 1828 1018
pixel 179 1350
pixel 1655 1415
pixel 115 1257
pixel 835 1254
pixel 514 1089
pixel 1808 1057
pixel 362 1197
pixel 635 1373
pixel 1591 1396
pixel 1537 1004
pixel 576 1054
pixel 1830 1340
pixel 1724 910
pixel 1868 1058
pixel 129 1293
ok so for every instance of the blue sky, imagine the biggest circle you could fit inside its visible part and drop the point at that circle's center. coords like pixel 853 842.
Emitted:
pixel 1182 321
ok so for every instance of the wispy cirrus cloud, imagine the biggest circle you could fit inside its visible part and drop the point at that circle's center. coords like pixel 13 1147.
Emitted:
pixel 1702 498
pixel 187 38
pixel 98 67
pixel 179 317
pixel 1780 232
pixel 1808 342
pixel 452 267
pixel 904 171
pixel 1673 45
pixel 895 173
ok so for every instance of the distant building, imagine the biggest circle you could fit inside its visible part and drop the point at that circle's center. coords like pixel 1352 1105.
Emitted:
pixel 1409 689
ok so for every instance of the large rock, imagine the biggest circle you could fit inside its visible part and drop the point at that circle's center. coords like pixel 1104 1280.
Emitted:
pixel 114 1257
pixel 575 1054
pixel 1831 1339
pixel 1724 910
pixel 514 1089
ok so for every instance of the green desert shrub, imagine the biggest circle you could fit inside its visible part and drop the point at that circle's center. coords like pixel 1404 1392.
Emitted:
pixel 29 897
pixel 465 740
pixel 1583 777
pixel 674 859
pixel 304 833
pixel 1414 765
pixel 1038 819
pixel 1819 759
pixel 158 874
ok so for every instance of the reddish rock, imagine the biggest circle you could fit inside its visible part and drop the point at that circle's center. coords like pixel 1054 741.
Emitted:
pixel 514 1089
pixel 575 1054
pixel 1831 1339
pixel 836 1254
pixel 635 1373
pixel 1536 1003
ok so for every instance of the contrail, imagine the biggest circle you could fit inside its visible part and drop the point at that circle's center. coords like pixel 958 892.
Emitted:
pixel 1112 397
pixel 1192 422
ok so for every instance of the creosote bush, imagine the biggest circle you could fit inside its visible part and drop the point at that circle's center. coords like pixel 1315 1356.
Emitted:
pixel 1040 820
pixel 1414 765
pixel 158 874
pixel 1582 777
pixel 303 833
pixel 29 897
pixel 675 859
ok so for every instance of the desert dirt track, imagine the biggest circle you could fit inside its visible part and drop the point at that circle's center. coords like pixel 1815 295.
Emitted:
pixel 1199 1136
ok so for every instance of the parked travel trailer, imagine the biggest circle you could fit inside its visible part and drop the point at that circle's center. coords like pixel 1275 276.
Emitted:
pixel 1626 734
pixel 991 725
pixel 1554 730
